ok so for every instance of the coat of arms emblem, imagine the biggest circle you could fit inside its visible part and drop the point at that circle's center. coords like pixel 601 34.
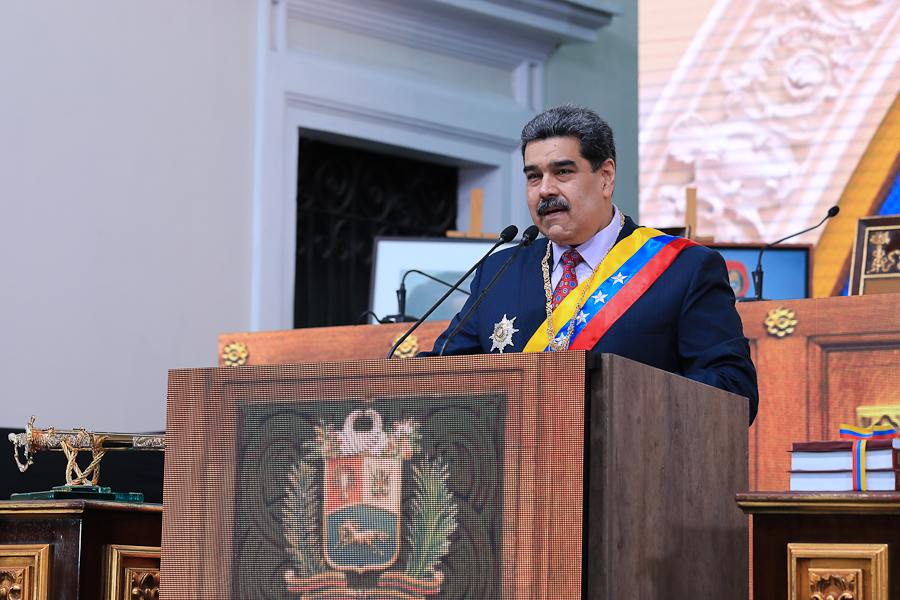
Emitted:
pixel 362 495
pixel 354 522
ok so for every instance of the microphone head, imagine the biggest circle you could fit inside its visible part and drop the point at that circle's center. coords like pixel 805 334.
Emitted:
pixel 834 210
pixel 529 235
pixel 508 234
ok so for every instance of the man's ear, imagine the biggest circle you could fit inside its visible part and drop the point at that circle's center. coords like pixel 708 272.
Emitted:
pixel 608 173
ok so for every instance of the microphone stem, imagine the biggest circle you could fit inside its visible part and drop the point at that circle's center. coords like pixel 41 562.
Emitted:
pixel 758 273
pixel 444 297
pixel 481 298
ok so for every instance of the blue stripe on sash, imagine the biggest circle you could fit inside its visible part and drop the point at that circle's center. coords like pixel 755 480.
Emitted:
pixel 609 288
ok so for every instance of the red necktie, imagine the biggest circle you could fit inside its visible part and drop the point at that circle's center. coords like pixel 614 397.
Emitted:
pixel 568 281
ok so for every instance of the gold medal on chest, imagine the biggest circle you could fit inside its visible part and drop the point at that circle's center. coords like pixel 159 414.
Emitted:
pixel 503 332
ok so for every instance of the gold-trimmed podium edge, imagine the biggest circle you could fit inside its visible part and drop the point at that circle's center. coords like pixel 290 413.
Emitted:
pixel 829 505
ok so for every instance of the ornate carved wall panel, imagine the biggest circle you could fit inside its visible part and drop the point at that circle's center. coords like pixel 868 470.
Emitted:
pixel 767 114
pixel 838 571
pixel 131 572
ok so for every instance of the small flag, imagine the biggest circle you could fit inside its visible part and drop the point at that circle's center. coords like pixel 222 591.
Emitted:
pixel 859 465
pixel 879 432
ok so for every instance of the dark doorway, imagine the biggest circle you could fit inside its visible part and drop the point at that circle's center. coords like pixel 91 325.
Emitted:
pixel 345 198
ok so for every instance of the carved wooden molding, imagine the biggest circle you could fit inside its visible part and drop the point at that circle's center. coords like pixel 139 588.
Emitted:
pixel 131 572
pixel 24 571
pixel 838 571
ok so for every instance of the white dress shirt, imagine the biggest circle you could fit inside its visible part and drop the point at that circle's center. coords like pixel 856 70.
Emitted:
pixel 592 252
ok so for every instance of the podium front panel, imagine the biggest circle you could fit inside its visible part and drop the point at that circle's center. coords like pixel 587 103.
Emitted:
pixel 455 477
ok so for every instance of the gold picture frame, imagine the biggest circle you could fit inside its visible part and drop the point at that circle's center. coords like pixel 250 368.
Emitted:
pixel 25 569
pixel 859 571
pixel 131 567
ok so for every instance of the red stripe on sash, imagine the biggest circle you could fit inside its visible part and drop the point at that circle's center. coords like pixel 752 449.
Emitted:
pixel 639 283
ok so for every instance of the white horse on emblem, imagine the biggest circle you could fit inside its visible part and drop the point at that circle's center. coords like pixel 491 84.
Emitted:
pixel 351 533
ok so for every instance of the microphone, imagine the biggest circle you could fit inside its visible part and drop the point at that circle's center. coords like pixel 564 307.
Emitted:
pixel 402 317
pixel 758 273
pixel 527 238
pixel 505 235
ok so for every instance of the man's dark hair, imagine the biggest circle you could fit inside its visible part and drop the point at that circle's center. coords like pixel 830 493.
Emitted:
pixel 595 136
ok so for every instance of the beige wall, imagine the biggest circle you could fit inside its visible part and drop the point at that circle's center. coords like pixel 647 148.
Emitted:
pixel 126 140
pixel 604 77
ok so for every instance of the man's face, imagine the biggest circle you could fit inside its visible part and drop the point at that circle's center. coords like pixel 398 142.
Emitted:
pixel 568 202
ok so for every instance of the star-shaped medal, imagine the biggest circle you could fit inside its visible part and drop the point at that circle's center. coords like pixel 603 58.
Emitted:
pixel 619 278
pixel 503 332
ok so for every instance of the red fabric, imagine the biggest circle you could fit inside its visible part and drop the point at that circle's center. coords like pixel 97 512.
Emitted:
pixel 568 281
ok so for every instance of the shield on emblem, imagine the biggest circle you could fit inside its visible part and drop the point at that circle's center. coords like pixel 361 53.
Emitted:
pixel 362 512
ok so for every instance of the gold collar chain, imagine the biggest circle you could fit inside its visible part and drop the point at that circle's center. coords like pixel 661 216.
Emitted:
pixel 548 293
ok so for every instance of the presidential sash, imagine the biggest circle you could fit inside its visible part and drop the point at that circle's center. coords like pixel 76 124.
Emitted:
pixel 625 274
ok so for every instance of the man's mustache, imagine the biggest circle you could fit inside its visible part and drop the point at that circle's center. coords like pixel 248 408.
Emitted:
pixel 548 203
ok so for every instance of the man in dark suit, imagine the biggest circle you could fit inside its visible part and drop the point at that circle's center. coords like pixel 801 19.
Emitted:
pixel 599 282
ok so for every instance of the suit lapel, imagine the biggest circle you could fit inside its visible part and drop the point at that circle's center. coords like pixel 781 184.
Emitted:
pixel 627 229
pixel 532 300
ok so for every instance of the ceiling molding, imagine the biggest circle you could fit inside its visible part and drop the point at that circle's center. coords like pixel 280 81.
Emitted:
pixel 401 122
pixel 500 33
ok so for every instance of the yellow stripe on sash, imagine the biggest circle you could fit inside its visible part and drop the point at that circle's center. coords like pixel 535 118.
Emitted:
pixel 617 257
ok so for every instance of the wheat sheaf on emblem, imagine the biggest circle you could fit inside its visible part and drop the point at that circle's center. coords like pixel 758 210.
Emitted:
pixel 342 511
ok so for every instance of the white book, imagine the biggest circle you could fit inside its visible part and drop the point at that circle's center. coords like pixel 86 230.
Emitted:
pixel 838 455
pixel 842 481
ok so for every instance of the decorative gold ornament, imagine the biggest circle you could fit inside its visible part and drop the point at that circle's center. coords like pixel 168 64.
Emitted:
pixel 883 262
pixel 74 475
pixel 409 347
pixel 24 571
pixel 780 322
pixel 132 572
pixel 835 571
pixel 503 332
pixel 144 584
pixel 235 354
pixel 826 584
pixel 73 441
pixel 881 238
pixel 12 584
pixel 870 416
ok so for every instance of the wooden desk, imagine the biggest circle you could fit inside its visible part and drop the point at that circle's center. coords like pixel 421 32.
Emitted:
pixel 79 549
pixel 811 542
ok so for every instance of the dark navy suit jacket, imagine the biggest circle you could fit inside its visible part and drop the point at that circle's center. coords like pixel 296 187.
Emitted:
pixel 686 322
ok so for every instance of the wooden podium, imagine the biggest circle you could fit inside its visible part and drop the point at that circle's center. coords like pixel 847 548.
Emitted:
pixel 570 475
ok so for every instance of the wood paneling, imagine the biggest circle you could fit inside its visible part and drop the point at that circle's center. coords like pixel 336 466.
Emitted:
pixel 842 354
pixel 320 344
